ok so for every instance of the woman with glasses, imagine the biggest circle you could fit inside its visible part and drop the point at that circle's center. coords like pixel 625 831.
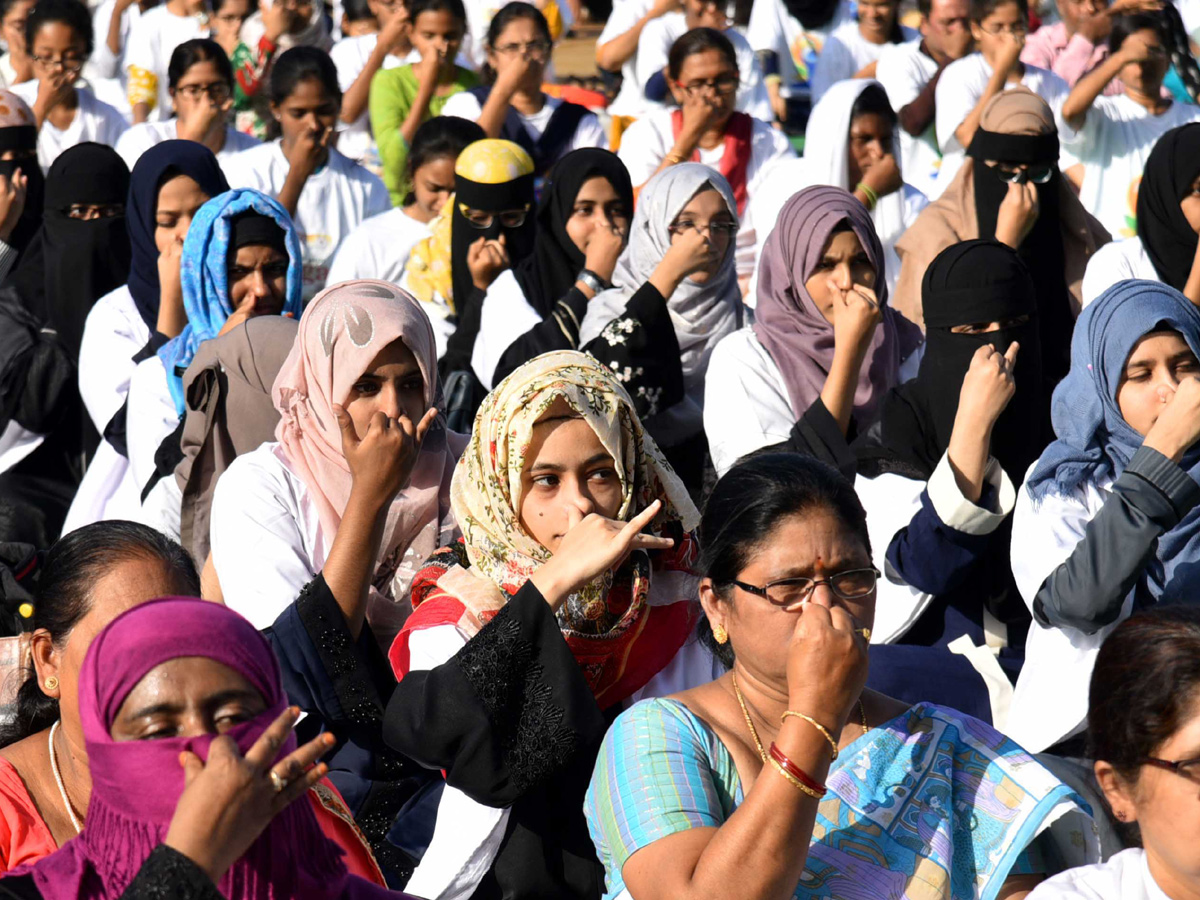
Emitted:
pixel 1110 138
pixel 201 86
pixel 148 53
pixel 1012 190
pixel 569 595
pixel 510 104
pixel 1142 724
pixel 967 85
pixel 1106 523
pixel 58 34
pixel 706 128
pixel 785 776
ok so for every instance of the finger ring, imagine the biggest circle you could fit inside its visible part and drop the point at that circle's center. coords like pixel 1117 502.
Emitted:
pixel 865 632
pixel 277 782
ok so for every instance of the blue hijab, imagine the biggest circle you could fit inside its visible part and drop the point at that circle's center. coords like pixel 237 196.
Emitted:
pixel 1094 440
pixel 168 159
pixel 204 274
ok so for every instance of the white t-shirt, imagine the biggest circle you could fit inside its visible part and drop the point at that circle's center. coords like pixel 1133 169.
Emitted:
pixel 103 63
pixel 649 139
pixel 846 53
pixel 588 133
pixel 140 138
pixel 959 89
pixel 149 418
pixel 631 99
pixel 378 248
pixel 350 55
pixel 1125 876
pixel 152 40
pixel 655 46
pixel 94 120
pixel 904 70
pixel 334 201
pixel 1116 261
pixel 772 28
pixel 1113 144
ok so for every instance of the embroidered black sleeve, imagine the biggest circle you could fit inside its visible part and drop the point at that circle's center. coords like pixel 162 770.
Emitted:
pixel 558 331
pixel 169 875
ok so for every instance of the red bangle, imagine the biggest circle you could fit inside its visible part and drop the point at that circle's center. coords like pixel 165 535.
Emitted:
pixel 796 772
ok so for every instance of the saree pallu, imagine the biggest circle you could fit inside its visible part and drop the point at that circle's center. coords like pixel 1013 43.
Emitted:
pixel 933 805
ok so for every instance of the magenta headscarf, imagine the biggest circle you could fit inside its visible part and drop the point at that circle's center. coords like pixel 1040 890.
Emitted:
pixel 788 322
pixel 136 784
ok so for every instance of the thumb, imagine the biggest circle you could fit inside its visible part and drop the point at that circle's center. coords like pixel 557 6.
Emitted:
pixel 192 764
pixel 574 516
pixel 502 239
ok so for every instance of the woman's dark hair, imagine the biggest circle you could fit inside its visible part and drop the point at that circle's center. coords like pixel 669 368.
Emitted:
pixel 198 50
pixel 71 13
pixel 695 41
pixel 454 7
pixel 441 136
pixel 981 9
pixel 301 64
pixel 510 12
pixel 747 504
pixel 1124 26
pixel 64 596
pixel 218 5
pixel 873 99
pixel 6 7
pixel 356 10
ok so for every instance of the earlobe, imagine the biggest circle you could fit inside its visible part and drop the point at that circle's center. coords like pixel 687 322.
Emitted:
pixel 46 659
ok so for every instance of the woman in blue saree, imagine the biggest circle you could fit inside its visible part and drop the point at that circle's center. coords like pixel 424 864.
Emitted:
pixel 858 797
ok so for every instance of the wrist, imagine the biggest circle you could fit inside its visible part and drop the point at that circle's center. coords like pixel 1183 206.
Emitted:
pixel 1166 444
pixel 550 584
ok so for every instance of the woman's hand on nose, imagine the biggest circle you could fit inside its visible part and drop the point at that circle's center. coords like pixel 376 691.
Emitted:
pixel 382 460
pixel 1178 425
pixel 826 665
pixel 592 545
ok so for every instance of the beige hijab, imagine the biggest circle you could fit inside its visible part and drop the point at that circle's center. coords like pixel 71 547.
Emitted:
pixel 952 218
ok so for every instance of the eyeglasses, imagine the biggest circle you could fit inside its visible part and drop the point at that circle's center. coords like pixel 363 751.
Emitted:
pixel 1016 29
pixel 789 593
pixel 67 64
pixel 509 218
pixel 1034 174
pixel 532 50
pixel 1188 768
pixel 218 91
pixel 231 18
pixel 722 84
pixel 715 229
pixel 89 211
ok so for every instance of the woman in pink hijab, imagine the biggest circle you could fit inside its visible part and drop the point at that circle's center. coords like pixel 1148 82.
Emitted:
pixel 355 493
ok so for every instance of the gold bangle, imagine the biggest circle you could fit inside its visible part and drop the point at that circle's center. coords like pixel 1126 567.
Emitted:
pixel 796 782
pixel 815 724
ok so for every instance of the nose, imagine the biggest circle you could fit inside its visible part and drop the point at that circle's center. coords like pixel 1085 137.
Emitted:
pixel 842 277
pixel 181 227
pixel 389 402
pixel 577 495
pixel 258 286
pixel 822 596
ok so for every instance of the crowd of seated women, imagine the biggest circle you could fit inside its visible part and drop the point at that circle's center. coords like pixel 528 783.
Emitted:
pixel 781 481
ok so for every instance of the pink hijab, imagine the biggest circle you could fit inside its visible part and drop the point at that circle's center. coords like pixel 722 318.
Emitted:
pixel 343 329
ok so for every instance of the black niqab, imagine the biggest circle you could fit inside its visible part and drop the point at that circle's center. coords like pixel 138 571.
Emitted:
pixel 1167 179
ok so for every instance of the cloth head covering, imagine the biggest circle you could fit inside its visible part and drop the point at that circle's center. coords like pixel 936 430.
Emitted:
pixel 702 313
pixel 154 168
pixel 605 619
pixel 975 281
pixel 550 271
pixel 1167 179
pixel 229 412
pixel 250 227
pixel 292 858
pixel 1095 443
pixel 72 263
pixel 18 131
pixel 207 251
pixel 1019 123
pixel 342 331
pixel 787 321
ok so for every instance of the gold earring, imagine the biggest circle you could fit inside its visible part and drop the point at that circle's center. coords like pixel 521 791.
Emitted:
pixel 720 635
pixel 52 683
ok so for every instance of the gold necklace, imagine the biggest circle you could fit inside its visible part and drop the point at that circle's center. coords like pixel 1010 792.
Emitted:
pixel 862 711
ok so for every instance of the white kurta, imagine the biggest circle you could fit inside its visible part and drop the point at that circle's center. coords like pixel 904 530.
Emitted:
pixel 1116 261
pixel 140 138
pixel 378 248
pixel 846 53
pixel 1125 876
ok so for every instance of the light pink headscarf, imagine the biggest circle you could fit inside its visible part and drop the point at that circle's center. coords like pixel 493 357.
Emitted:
pixel 343 329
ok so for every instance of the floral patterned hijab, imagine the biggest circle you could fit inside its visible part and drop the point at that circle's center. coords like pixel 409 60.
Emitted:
pixel 602 621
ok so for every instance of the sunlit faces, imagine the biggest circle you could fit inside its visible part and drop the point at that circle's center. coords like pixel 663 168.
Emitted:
pixel 308 109
pixel 228 20
pixel 870 139
pixel 437 31
pixel 947 28
pixel 992 33
pixel 201 84
pixel 566 468
pixel 186 698
pixel 812 543
pixel 843 264
pixel 597 205
pixel 12 27
pixel 392 385
pixel 58 48
pixel 258 280
pixel 876 19
pixel 1074 12
pixel 1146 77
pixel 1156 366
pixel 178 200
pixel 432 185
pixel 707 213
pixel 711 74
pixel 705 14
pixel 1191 206
pixel 521 38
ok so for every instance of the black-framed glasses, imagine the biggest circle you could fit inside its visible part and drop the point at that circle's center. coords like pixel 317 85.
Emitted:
pixel 722 84
pixel 853 584
pixel 67 64
pixel 218 91
pixel 532 50
pixel 1039 174
pixel 1188 768
pixel 509 218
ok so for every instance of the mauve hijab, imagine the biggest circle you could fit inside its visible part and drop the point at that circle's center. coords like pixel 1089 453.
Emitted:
pixel 137 784
pixel 790 326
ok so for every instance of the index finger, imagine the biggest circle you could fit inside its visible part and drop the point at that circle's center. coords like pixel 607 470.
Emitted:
pixel 641 520
pixel 1010 355
pixel 263 753
pixel 426 423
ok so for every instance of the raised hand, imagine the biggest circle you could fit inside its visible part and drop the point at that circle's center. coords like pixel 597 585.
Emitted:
pixel 172 317
pixel 987 387
pixel 1178 425
pixel 1017 214
pixel 308 150
pixel 883 175
pixel 856 314
pixel 486 259
pixel 12 202
pixel 826 664
pixel 382 459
